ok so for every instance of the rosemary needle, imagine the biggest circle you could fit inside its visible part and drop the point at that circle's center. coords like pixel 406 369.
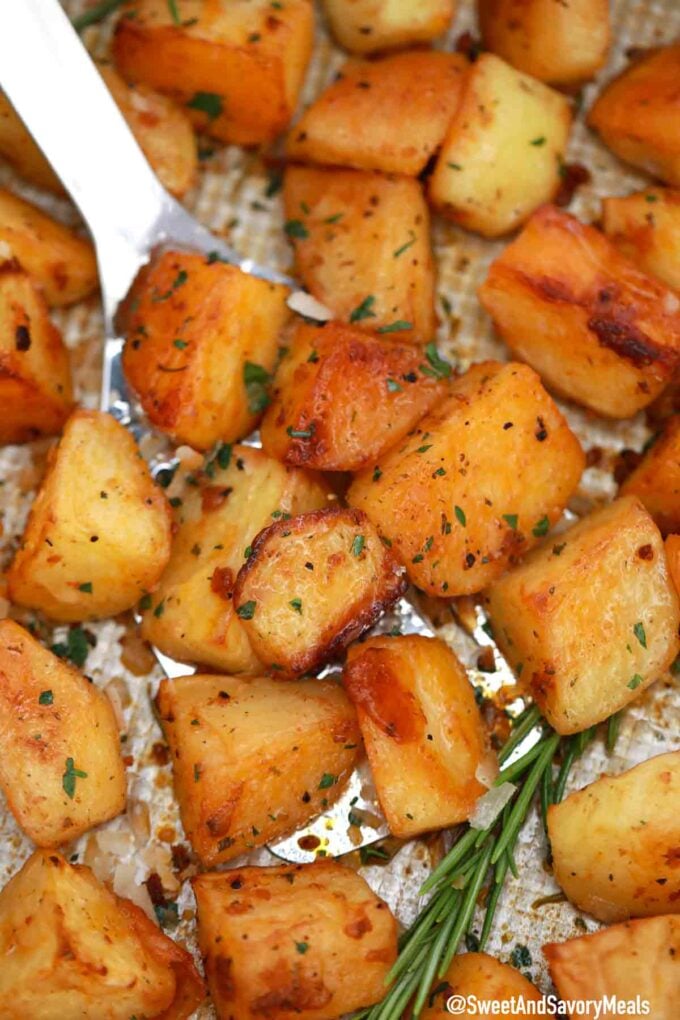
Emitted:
pixel 95 14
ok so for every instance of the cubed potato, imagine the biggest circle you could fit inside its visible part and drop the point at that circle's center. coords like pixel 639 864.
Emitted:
pixel 646 228
pixel 201 342
pixel 312 584
pixel 60 764
pixel 236 67
pixel 656 480
pixel 254 758
pixel 590 619
pixel 310 941
pixel 390 114
pixel 191 616
pixel 362 248
pixel 36 394
pixel 615 843
pixel 636 961
pixel 562 43
pixel 98 535
pixel 477 483
pixel 636 114
pixel 422 729
pixel 19 149
pixel 598 330
pixel 358 395
pixel 70 948
pixel 502 154
pixel 672 549
pixel 482 977
pixel 371 26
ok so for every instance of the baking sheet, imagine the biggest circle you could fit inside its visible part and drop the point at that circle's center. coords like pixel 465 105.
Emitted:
pixel 231 199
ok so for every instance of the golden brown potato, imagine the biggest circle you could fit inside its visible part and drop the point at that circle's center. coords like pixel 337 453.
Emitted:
pixel 312 584
pixel 60 763
pixel 477 483
pixel 390 114
pixel 590 619
pixel 636 114
pixel 362 248
pixel 636 961
pixel 201 342
pixel 562 43
pixel 502 154
pixel 615 843
pixel 656 480
pixel 36 395
pixel 236 67
pixel 422 729
pixel 310 941
pixel 482 977
pixel 597 329
pixel 254 758
pixel 672 550
pixel 98 535
pixel 646 228
pixel 357 394
pixel 191 615
pixel 70 948
pixel 19 149
pixel 369 26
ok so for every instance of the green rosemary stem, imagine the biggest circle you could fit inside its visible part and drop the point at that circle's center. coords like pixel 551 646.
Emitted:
pixel 613 727
pixel 523 725
pixel 521 805
pixel 95 14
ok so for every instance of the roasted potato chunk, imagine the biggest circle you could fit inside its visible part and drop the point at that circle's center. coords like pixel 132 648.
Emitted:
pixel 60 766
pixel 422 729
pixel 502 154
pixel 614 843
pixel 362 248
pixel 646 228
pixel 656 480
pixel 597 329
pixel 236 67
pixel 591 619
pixel 565 44
pixel 636 961
pixel 390 114
pixel 191 615
pixel 254 758
pixel 62 265
pixel 392 385
pixel 480 976
pixel 369 26
pixel 35 373
pixel 70 948
pixel 636 114
pixel 201 342
pixel 307 940
pixel 19 149
pixel 312 584
pixel 98 535
pixel 475 485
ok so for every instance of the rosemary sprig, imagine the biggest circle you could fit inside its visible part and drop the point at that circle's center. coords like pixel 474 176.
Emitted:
pixel 95 14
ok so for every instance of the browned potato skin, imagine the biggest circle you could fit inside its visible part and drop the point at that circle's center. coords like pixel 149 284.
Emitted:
pixel 614 843
pixel 389 115
pixel 36 394
pixel 249 756
pixel 422 729
pixel 645 227
pixel 252 920
pixel 481 976
pixel 636 114
pixel 340 597
pixel 37 739
pixel 187 345
pixel 656 480
pixel 371 26
pixel 250 57
pixel 98 534
pixel 598 330
pixel 672 549
pixel 191 616
pixel 70 947
pixel 568 613
pixel 351 259
pixel 519 458
pixel 564 44
pixel 636 958
pixel 19 149
pixel 389 390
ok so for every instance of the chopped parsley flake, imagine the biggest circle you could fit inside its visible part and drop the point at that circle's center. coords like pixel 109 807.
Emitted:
pixel 358 545
pixel 634 682
pixel 86 586
pixel 639 631
pixel 460 515
pixel 46 698
pixel 207 102
pixel 327 780
pixel 395 327
pixel 68 780
pixel 256 379
pixel 296 604
pixel 541 528
pixel 364 310
pixel 302 947
pixel 296 229
pixel 247 610
pixel 437 367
